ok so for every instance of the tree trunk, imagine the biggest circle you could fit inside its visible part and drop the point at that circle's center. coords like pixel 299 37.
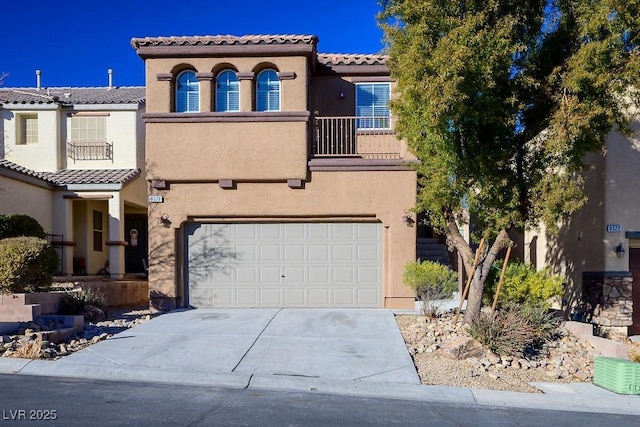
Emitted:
pixel 487 258
pixel 485 261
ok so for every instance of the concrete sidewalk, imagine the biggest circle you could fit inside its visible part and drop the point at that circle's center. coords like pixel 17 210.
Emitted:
pixel 331 351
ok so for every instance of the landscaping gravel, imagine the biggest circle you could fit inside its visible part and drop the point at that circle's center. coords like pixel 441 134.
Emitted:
pixel 25 344
pixel 563 359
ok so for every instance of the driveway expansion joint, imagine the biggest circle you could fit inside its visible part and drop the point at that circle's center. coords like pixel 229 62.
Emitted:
pixel 256 340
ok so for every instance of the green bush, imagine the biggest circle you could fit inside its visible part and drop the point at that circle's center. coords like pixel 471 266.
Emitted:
pixel 27 264
pixel 510 331
pixel 430 281
pixel 74 302
pixel 16 225
pixel 523 284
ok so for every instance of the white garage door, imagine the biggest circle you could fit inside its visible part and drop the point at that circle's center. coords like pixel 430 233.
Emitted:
pixel 284 265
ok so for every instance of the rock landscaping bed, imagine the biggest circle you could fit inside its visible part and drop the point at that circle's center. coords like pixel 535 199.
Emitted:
pixel 445 354
pixel 27 340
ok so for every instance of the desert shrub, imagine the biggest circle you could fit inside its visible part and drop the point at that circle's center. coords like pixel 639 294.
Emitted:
pixel 16 225
pixel 75 301
pixel 28 350
pixel 510 331
pixel 522 284
pixel 431 281
pixel 27 264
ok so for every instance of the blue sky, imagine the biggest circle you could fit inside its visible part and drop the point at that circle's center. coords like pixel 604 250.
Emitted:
pixel 74 42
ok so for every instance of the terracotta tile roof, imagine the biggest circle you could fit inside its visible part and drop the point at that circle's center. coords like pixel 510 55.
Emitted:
pixel 351 59
pixel 76 176
pixel 224 40
pixel 73 95
pixel 93 176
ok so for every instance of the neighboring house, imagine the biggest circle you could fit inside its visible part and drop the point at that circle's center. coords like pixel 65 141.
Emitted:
pixel 73 158
pixel 276 178
pixel 599 248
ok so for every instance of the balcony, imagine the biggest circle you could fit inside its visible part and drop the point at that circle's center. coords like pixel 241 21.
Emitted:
pixel 366 137
pixel 83 150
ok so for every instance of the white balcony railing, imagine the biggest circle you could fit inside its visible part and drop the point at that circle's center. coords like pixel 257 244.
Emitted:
pixel 367 137
pixel 82 150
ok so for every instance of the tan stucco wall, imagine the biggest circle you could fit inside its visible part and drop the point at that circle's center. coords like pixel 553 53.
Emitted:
pixel 293 92
pixel 366 195
pixel 622 196
pixel 20 197
pixel 83 233
pixel 239 151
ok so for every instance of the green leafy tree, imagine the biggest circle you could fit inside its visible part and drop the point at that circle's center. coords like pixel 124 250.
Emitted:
pixel 501 100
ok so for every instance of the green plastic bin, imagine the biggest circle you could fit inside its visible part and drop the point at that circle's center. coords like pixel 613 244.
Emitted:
pixel 618 375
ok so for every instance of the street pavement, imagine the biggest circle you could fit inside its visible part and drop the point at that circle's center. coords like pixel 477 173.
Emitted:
pixel 349 352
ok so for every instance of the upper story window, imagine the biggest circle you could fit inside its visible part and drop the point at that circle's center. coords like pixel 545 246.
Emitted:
pixel 187 93
pixel 28 129
pixel 88 129
pixel 227 91
pixel 268 91
pixel 372 105
pixel 88 138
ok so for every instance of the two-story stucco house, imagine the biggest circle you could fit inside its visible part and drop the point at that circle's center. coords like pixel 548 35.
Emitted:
pixel 275 176
pixel 73 158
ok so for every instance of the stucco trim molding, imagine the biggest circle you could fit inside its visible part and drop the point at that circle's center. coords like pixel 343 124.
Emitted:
pixel 384 79
pixel 116 243
pixel 210 117
pixel 368 218
pixel 245 75
pixel 286 75
pixel 204 76
pixel 357 164
pixel 190 51
pixel 88 196
pixel 164 77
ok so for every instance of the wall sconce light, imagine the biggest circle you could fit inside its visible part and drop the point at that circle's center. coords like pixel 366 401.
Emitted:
pixel 620 250
pixel 407 218
pixel 164 220
pixel 341 94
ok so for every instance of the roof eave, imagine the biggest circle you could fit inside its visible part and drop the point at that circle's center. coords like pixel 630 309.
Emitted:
pixel 191 51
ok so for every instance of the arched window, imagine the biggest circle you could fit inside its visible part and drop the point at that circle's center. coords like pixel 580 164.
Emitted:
pixel 227 91
pixel 268 91
pixel 187 93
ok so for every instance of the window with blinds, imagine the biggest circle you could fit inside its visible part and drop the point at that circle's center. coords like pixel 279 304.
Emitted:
pixel 227 92
pixel 268 91
pixel 372 105
pixel 28 129
pixel 187 93
pixel 88 129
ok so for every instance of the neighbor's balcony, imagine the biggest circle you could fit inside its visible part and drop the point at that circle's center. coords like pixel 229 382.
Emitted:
pixel 366 137
pixel 83 150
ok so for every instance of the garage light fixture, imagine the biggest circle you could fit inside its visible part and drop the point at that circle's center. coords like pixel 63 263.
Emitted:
pixel 620 250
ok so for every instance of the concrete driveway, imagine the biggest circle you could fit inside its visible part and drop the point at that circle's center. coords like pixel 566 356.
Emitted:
pixel 238 344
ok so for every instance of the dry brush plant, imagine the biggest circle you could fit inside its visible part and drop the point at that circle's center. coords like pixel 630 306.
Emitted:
pixel 510 331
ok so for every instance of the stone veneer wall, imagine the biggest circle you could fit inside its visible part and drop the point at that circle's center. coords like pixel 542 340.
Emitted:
pixel 608 300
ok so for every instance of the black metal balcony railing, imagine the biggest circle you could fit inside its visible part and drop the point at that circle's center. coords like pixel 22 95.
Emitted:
pixel 367 137
pixel 82 150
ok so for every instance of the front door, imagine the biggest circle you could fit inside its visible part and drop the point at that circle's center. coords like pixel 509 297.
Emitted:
pixel 135 254
pixel 634 268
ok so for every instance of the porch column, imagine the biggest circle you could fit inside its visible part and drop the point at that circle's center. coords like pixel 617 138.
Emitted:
pixel 63 225
pixel 116 242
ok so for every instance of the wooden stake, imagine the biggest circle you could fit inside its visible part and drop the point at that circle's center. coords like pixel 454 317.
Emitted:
pixel 466 288
pixel 504 268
